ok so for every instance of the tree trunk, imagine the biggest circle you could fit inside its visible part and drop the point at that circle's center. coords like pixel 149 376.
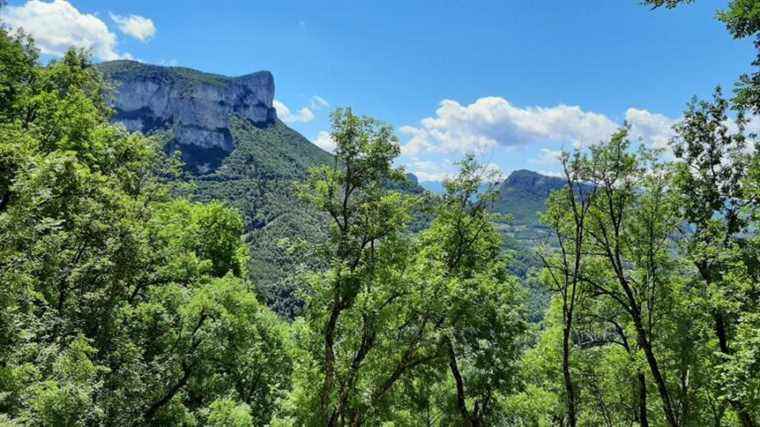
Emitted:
pixel 461 400
pixel 569 387
pixel 169 395
pixel 643 416
pixel 329 362
pixel 654 367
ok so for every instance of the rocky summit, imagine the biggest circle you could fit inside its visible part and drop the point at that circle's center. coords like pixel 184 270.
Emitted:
pixel 195 107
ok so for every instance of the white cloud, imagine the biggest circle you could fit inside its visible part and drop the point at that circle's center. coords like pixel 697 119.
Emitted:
pixel 325 141
pixel 653 129
pixel 494 171
pixel 547 157
pixel 304 115
pixel 135 26
pixel 318 103
pixel 491 122
pixel 441 169
pixel 419 142
pixel 428 170
pixel 57 26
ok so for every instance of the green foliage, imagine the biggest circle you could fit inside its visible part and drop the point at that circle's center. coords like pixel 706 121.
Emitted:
pixel 127 298
pixel 401 328
pixel 350 303
pixel 482 323
pixel 258 178
pixel 120 304
pixel 185 78
pixel 228 413
pixel 653 280
pixel 715 178
pixel 17 70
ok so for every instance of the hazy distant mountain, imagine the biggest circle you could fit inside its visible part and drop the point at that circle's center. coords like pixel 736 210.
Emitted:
pixel 522 195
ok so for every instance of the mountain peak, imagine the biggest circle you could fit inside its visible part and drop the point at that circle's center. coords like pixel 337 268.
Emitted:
pixel 523 195
pixel 531 182
pixel 195 106
pixel 525 174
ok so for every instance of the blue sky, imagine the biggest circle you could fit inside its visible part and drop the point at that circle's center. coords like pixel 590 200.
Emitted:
pixel 512 81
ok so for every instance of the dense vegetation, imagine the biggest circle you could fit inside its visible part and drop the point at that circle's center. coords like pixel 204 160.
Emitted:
pixel 258 180
pixel 126 295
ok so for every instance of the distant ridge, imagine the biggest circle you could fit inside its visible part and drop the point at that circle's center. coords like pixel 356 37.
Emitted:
pixel 523 195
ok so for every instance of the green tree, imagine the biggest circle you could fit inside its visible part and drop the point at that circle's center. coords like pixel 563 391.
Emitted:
pixel 631 221
pixel 625 233
pixel 566 215
pixel 120 304
pixel 348 302
pixel 712 180
pixel 482 322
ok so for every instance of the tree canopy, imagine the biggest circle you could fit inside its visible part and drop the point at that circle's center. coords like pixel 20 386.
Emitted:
pixel 126 299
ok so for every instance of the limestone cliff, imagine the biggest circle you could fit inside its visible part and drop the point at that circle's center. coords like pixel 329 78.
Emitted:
pixel 195 107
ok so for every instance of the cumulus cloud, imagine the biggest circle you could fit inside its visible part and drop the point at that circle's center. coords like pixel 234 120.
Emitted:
pixel 304 115
pixel 653 129
pixel 428 170
pixel 57 26
pixel 442 169
pixel 135 26
pixel 325 141
pixel 547 157
pixel 491 122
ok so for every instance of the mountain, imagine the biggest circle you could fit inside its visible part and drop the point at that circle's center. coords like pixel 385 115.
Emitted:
pixel 523 195
pixel 196 109
pixel 235 149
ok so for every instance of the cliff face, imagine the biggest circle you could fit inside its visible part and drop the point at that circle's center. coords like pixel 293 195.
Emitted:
pixel 196 107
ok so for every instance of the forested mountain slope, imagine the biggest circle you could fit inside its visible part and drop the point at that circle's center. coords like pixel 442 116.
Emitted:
pixel 235 149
